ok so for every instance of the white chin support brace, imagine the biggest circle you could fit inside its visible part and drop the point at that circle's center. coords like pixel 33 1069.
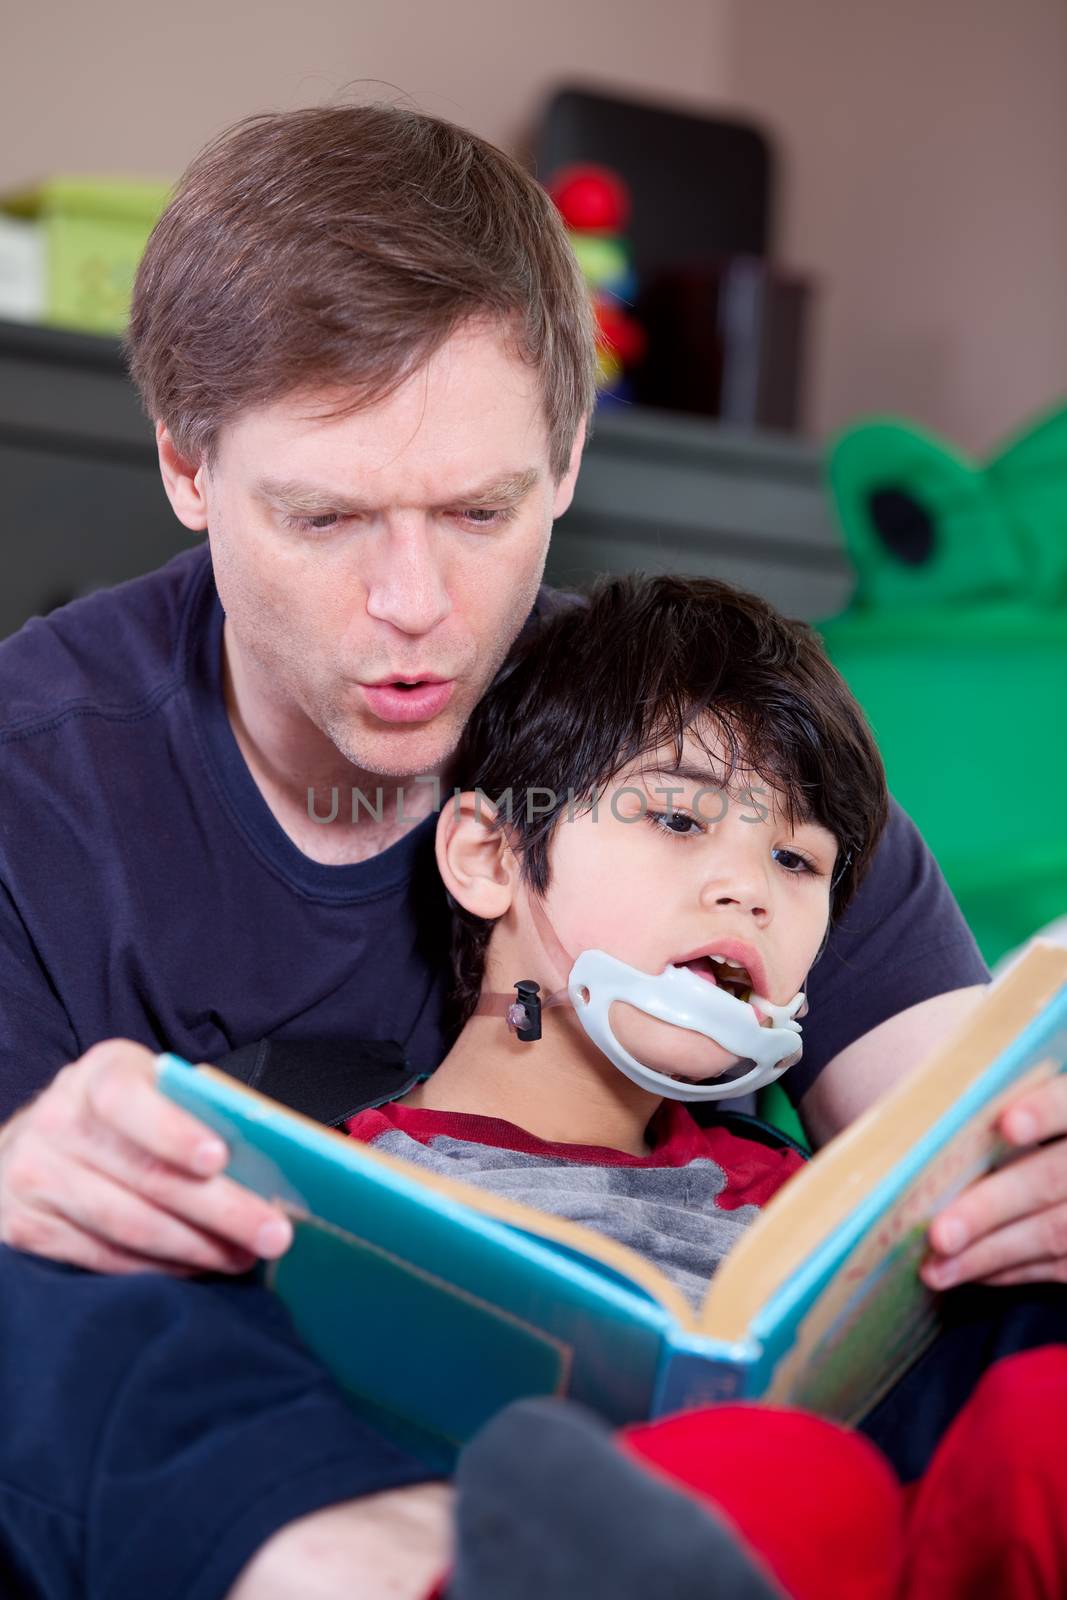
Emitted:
pixel 681 998
pixel 677 996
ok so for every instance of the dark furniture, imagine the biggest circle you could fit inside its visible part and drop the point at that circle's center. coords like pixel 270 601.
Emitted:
pixel 83 505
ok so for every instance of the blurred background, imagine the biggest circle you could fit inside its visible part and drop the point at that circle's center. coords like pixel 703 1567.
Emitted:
pixel 801 218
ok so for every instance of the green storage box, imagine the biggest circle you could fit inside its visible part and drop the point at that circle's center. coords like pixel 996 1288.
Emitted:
pixel 95 231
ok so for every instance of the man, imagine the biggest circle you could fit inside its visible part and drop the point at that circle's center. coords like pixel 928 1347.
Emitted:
pixel 367 352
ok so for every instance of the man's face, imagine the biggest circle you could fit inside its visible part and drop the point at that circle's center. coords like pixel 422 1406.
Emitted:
pixel 375 567
pixel 671 870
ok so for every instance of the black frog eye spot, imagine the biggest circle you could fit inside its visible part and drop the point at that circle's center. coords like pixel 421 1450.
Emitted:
pixel 904 526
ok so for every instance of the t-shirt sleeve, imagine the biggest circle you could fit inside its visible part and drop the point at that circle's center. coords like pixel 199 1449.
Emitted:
pixel 36 1037
pixel 902 940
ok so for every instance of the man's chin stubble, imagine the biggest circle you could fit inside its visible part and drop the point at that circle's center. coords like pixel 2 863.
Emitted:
pixel 387 760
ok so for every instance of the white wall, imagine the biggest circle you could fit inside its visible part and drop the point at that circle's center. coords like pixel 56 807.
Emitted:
pixel 923 142
pixel 925 153
pixel 139 85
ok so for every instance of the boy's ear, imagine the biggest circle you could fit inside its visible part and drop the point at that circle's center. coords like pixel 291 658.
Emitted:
pixel 477 865
pixel 183 481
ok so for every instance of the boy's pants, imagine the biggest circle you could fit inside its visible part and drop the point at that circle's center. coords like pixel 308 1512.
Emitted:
pixel 155 1432
pixel 745 1502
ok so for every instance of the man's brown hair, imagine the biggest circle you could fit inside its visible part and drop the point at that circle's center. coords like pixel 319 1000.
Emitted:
pixel 341 246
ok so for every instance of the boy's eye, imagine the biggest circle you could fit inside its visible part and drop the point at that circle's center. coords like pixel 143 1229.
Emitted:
pixel 679 823
pixel 793 861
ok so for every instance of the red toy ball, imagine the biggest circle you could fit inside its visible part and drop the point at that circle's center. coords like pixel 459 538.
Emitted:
pixel 591 198
pixel 620 332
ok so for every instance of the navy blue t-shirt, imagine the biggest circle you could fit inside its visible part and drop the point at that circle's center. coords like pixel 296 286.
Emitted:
pixel 147 891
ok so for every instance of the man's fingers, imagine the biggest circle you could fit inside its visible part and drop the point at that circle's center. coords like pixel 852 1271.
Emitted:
pixel 120 1091
pixel 138 1137
pixel 43 1233
pixel 120 1194
pixel 1026 1188
pixel 1016 1247
pixel 1011 1227
pixel 1041 1114
pixel 1032 1272
pixel 104 1153
pixel 119 1217
pixel 50 1192
pixel 216 1207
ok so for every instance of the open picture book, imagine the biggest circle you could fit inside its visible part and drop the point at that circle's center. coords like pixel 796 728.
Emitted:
pixel 435 1303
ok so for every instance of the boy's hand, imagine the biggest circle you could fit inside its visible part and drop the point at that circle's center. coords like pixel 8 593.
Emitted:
pixel 103 1171
pixel 1011 1227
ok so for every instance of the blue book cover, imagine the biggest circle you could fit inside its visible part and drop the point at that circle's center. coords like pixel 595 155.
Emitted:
pixel 435 1303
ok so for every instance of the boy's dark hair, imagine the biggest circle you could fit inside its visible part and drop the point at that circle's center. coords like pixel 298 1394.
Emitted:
pixel 594 687
pixel 340 246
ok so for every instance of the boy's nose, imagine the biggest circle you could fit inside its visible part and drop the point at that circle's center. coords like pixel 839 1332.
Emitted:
pixel 744 903
pixel 741 888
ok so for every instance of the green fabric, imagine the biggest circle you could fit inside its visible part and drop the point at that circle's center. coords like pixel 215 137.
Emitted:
pixel 955 644
pixel 773 1105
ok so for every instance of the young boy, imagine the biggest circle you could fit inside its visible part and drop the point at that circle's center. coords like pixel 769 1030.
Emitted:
pixel 698 829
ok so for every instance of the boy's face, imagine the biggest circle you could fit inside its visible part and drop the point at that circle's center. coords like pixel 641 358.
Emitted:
pixel 654 879
pixel 403 541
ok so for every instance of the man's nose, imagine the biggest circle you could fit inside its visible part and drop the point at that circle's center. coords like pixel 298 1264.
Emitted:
pixel 407 585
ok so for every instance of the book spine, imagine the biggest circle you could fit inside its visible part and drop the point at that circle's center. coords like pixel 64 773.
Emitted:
pixel 703 1377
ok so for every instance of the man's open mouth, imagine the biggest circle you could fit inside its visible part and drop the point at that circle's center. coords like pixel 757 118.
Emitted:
pixel 400 700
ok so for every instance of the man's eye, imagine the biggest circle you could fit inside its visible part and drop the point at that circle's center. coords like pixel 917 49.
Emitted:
pixel 486 516
pixel 320 524
pixel 473 516
pixel 794 862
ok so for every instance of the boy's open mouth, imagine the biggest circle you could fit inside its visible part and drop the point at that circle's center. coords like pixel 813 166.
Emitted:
pixel 724 974
pixel 735 978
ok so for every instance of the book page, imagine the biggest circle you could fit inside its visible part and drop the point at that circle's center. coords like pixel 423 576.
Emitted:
pixel 877 1315
pixel 813 1205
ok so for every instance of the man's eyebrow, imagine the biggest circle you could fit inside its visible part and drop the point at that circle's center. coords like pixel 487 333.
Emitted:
pixel 309 497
